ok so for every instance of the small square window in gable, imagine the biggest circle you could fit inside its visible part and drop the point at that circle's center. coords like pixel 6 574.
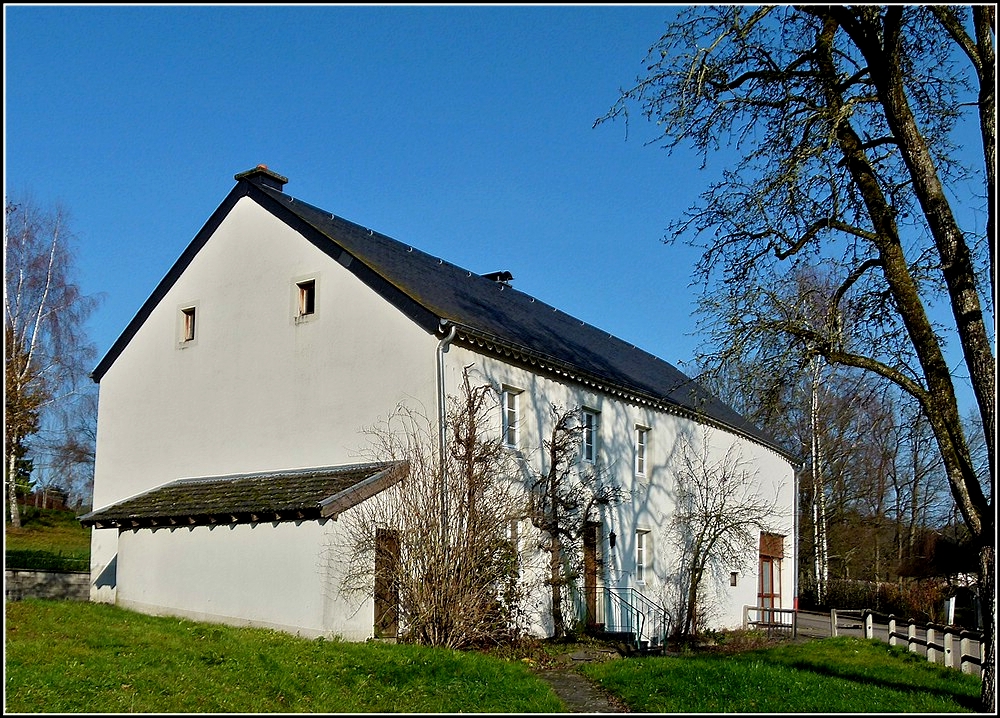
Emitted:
pixel 305 299
pixel 187 325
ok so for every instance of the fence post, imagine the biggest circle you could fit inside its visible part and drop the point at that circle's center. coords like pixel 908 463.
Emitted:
pixel 911 637
pixel 949 644
pixel 869 629
pixel 931 647
pixel 965 643
pixel 833 622
pixel 892 630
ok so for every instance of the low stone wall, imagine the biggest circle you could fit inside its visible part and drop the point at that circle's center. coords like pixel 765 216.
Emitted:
pixel 69 585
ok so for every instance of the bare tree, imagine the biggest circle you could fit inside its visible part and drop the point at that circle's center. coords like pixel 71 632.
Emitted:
pixel 566 496
pixel 845 120
pixel 44 342
pixel 445 580
pixel 719 519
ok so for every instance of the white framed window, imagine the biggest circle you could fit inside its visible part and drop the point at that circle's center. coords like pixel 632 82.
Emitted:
pixel 643 555
pixel 511 418
pixel 514 536
pixel 641 440
pixel 187 325
pixel 590 424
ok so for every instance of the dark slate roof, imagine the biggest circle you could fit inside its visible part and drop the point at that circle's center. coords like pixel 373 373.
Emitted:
pixel 490 315
pixel 295 495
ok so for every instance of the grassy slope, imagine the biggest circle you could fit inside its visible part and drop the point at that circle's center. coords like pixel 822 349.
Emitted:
pixel 81 657
pixel 835 675
pixel 56 532
pixel 94 658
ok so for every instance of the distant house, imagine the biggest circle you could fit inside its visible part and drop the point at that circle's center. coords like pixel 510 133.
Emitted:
pixel 232 404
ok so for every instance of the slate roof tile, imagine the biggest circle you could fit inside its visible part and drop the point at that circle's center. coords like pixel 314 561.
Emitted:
pixel 264 496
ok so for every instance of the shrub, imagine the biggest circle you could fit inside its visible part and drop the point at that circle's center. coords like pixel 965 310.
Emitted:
pixel 44 561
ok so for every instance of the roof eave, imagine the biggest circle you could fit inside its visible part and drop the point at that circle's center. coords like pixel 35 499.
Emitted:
pixel 242 189
pixel 480 340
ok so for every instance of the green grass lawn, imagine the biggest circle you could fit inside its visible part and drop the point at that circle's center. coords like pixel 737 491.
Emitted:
pixel 833 675
pixel 64 656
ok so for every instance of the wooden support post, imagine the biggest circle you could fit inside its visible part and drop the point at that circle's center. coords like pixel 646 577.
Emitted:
pixel 931 647
pixel 911 637
pixel 892 630
pixel 869 628
pixel 833 622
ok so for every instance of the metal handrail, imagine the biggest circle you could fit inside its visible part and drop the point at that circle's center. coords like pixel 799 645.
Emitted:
pixel 641 616
pixel 657 612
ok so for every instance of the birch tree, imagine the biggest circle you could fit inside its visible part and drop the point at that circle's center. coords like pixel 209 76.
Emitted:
pixel 846 121
pixel 821 561
pixel 45 345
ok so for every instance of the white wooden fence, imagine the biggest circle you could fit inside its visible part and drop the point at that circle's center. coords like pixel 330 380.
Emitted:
pixel 782 621
pixel 936 641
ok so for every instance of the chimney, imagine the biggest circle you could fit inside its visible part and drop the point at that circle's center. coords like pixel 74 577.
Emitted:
pixel 263 176
pixel 504 277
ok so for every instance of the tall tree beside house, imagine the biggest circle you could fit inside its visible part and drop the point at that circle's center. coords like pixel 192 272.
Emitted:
pixel 879 473
pixel 566 496
pixel 846 120
pixel 45 345
pixel 441 541
pixel 20 422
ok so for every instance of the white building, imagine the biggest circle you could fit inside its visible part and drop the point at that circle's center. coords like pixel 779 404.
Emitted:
pixel 232 404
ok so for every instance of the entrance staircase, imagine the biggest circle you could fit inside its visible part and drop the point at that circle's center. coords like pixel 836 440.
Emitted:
pixel 634 623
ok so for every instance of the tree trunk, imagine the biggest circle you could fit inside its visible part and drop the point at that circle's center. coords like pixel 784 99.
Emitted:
pixel 987 597
pixel 821 568
pixel 15 513
pixel 555 579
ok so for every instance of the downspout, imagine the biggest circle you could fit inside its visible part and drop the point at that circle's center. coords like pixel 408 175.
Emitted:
pixel 442 347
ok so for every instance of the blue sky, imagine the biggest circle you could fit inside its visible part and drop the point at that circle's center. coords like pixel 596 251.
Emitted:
pixel 464 131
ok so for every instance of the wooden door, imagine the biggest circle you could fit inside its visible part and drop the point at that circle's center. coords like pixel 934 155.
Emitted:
pixel 590 565
pixel 386 587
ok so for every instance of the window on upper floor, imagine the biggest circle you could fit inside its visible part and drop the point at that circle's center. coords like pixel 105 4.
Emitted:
pixel 590 425
pixel 307 297
pixel 186 325
pixel 511 416
pixel 641 439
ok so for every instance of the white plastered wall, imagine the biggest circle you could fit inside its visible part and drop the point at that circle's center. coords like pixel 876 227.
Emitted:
pixel 651 496
pixel 256 390
pixel 285 576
